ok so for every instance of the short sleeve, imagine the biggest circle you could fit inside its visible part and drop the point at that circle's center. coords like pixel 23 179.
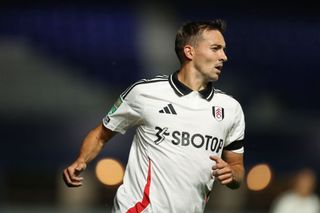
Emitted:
pixel 234 140
pixel 124 113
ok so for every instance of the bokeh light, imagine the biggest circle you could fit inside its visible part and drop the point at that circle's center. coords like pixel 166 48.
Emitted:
pixel 259 177
pixel 109 171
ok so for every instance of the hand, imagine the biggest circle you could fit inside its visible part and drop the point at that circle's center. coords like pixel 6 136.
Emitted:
pixel 71 174
pixel 222 171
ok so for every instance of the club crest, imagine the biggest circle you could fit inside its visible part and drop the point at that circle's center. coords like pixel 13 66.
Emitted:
pixel 218 113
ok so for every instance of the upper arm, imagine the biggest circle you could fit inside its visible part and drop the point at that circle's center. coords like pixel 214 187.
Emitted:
pixel 125 113
pixel 236 131
pixel 233 158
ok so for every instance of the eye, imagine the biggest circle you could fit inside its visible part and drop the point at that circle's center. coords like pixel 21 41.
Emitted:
pixel 215 49
pixel 218 48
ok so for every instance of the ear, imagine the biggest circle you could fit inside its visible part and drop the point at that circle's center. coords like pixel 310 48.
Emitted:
pixel 188 52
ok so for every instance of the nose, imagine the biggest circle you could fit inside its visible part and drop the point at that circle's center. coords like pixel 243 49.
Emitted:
pixel 223 57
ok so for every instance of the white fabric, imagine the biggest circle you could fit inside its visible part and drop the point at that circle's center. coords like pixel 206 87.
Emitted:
pixel 180 164
pixel 293 203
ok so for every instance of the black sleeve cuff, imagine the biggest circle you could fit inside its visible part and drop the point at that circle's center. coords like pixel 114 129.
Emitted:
pixel 234 145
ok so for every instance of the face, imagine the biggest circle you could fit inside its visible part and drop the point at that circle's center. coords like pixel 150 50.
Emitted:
pixel 208 55
pixel 305 183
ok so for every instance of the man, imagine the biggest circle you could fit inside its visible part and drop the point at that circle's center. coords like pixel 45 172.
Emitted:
pixel 188 133
pixel 301 196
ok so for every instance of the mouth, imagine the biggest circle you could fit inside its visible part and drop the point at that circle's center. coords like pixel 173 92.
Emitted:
pixel 218 67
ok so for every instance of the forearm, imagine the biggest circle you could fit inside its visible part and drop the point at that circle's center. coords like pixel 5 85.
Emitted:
pixel 93 143
pixel 91 146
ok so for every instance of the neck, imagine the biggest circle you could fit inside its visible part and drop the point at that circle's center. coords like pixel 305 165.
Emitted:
pixel 191 79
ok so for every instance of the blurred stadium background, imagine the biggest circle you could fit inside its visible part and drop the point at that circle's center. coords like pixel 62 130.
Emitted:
pixel 63 65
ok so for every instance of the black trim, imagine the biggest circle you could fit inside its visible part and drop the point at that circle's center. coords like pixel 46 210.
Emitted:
pixel 182 89
pixel 208 92
pixel 179 86
pixel 143 81
pixel 234 145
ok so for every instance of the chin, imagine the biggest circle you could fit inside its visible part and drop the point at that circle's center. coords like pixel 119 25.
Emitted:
pixel 215 78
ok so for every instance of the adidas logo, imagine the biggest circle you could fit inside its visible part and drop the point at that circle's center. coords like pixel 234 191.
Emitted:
pixel 168 110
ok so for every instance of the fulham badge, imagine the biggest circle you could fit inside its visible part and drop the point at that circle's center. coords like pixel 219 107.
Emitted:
pixel 218 113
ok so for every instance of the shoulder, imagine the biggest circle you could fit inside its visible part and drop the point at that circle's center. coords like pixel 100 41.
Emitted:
pixel 144 84
pixel 226 98
pixel 288 196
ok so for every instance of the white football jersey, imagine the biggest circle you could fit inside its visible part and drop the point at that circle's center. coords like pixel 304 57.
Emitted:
pixel 169 170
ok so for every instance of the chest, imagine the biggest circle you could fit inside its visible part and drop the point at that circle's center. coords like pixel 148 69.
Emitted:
pixel 190 114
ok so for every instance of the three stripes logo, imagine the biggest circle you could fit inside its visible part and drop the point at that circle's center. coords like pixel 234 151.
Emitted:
pixel 168 110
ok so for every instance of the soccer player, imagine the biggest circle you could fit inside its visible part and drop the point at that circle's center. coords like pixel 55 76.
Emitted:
pixel 188 133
